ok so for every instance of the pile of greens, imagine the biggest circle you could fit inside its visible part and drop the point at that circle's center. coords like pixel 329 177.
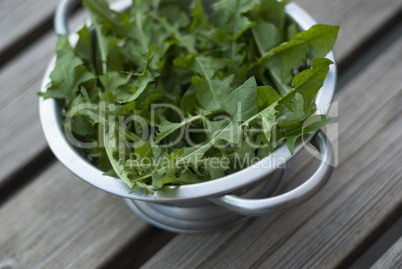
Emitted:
pixel 160 93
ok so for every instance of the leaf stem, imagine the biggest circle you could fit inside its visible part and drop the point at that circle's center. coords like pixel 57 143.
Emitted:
pixel 138 20
pixel 92 4
pixel 236 17
pixel 185 159
pixel 168 28
pixel 282 89
pixel 117 167
pixel 183 123
pixel 271 106
pixel 101 46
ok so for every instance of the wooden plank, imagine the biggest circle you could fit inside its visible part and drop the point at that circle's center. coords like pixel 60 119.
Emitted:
pixel 392 258
pixel 20 80
pixel 359 19
pixel 20 17
pixel 24 141
pixel 21 136
pixel 334 226
pixel 59 221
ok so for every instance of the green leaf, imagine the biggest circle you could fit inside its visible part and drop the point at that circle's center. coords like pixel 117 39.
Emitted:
pixel 321 38
pixel 143 80
pixel 161 178
pixel 230 134
pixel 185 40
pixel 111 147
pixel 69 73
pixel 218 37
pixel 63 43
pixel 299 103
pixel 237 23
pixel 268 120
pixel 138 19
pixel 271 11
pixel 81 106
pixel 201 65
pixel 142 148
pixel 243 97
pixel 188 102
pixel 215 167
pixel 84 46
pixel 113 81
pixel 311 124
pixel 282 59
pixel 229 67
pixel 266 95
pixel 199 18
pixel 211 93
pixel 291 30
pixel 236 6
pixel 110 19
pixel 270 23
pixel 266 36
pixel 239 26
pixel 311 80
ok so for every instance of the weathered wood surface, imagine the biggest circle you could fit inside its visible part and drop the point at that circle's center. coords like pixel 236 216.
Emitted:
pixel 21 136
pixel 20 17
pixel 20 79
pixel 58 222
pixel 392 258
pixel 327 230
pixel 359 19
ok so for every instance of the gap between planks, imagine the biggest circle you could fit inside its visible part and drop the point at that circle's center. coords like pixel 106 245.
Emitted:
pixel 58 221
pixel 17 96
pixel 21 139
pixel 340 62
pixel 23 24
pixel 305 234
pixel 392 258
pixel 330 223
pixel 380 250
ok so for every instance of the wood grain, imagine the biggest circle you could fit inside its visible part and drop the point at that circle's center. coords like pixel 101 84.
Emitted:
pixel 21 137
pixel 335 225
pixel 359 19
pixel 392 258
pixel 59 221
pixel 20 17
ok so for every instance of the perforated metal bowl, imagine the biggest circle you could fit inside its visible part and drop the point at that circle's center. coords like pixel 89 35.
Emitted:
pixel 209 205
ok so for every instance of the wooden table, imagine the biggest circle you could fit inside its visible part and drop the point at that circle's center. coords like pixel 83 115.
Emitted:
pixel 50 219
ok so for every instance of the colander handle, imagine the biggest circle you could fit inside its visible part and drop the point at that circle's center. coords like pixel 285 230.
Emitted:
pixel 64 8
pixel 257 207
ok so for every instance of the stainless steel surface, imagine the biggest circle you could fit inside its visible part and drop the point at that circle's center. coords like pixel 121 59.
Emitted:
pixel 256 207
pixel 200 215
pixel 51 124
